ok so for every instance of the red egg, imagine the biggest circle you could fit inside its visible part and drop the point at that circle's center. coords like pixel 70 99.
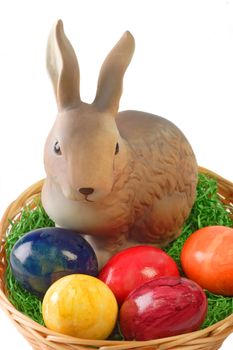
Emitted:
pixel 163 307
pixel 134 266
pixel 207 258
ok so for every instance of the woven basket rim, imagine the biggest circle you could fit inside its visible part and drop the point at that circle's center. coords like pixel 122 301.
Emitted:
pixel 28 327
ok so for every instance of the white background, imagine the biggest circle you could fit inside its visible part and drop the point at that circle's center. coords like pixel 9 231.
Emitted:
pixel 182 69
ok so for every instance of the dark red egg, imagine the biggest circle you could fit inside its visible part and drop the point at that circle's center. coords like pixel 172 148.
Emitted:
pixel 163 307
pixel 134 266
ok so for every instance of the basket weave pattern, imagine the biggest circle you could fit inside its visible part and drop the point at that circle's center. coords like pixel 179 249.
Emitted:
pixel 41 338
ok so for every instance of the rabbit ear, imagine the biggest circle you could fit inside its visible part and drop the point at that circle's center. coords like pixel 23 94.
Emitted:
pixel 110 81
pixel 63 68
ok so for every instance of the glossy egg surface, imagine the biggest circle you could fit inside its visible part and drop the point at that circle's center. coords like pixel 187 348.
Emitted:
pixel 81 306
pixel 134 266
pixel 44 255
pixel 163 307
pixel 207 258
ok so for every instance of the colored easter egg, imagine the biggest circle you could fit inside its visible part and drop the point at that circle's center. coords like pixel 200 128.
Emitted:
pixel 81 306
pixel 163 307
pixel 44 255
pixel 207 258
pixel 134 266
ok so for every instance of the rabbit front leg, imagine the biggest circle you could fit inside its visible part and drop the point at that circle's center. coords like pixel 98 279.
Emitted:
pixel 106 248
pixel 102 254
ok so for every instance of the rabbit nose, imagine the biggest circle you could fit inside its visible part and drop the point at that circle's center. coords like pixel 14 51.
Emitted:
pixel 86 191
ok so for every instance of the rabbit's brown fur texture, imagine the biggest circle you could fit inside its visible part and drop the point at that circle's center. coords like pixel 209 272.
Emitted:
pixel 121 179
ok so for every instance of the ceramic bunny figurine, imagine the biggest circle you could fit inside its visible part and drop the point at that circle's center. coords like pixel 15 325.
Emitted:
pixel 120 178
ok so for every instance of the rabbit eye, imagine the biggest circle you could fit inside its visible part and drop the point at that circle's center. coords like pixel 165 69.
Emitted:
pixel 57 148
pixel 117 148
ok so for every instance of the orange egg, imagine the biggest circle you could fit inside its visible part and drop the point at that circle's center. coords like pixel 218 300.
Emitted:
pixel 207 259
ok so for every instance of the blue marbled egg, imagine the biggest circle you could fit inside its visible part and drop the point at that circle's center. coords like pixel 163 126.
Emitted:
pixel 44 255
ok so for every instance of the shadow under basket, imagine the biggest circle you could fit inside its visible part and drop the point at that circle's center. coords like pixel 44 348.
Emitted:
pixel 41 338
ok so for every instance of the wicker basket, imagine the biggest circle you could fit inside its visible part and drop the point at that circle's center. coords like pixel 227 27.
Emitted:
pixel 41 338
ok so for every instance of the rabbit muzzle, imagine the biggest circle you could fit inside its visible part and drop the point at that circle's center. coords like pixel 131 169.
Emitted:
pixel 89 194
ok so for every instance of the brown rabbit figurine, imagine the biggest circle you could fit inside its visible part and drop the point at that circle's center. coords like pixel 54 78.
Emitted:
pixel 123 178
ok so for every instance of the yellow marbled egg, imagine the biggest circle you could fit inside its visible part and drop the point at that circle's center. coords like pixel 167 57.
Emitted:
pixel 81 306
